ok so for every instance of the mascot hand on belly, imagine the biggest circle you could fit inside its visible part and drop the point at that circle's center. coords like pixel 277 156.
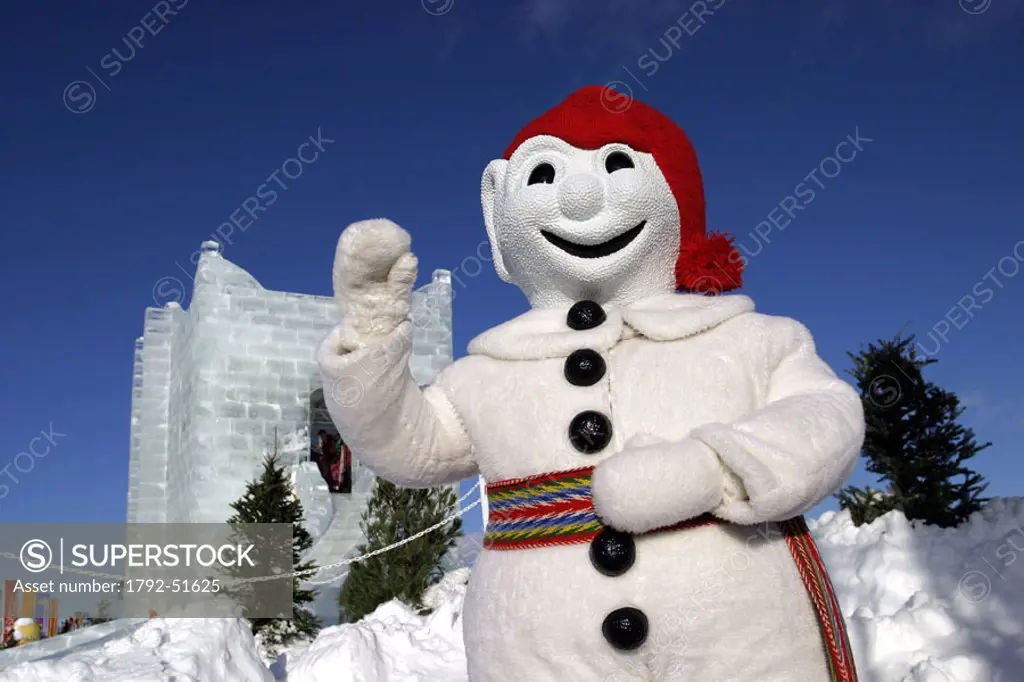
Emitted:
pixel 650 442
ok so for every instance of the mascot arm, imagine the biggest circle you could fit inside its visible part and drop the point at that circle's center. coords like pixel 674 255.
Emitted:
pixel 800 447
pixel 776 463
pixel 410 436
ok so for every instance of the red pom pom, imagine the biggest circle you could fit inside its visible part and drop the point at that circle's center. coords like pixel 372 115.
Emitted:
pixel 709 265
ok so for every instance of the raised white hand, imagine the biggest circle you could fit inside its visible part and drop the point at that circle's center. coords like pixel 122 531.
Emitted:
pixel 374 272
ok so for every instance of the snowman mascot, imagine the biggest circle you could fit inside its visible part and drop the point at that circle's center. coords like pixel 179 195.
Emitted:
pixel 650 444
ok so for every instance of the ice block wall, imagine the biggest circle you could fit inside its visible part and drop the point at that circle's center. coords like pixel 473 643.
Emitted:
pixel 160 385
pixel 214 385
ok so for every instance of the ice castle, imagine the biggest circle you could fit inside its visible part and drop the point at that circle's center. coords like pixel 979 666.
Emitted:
pixel 234 377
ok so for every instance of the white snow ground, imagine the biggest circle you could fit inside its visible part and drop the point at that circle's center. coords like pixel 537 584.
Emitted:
pixel 923 605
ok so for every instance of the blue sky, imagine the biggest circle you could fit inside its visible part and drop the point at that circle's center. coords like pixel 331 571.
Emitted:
pixel 111 183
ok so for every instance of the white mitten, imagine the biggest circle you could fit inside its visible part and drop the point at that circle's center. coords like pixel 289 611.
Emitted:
pixel 374 271
pixel 654 483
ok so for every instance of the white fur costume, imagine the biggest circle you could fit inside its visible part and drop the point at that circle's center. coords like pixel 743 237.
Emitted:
pixel 714 408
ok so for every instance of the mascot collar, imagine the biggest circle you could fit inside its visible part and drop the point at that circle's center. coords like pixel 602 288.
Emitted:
pixel 543 333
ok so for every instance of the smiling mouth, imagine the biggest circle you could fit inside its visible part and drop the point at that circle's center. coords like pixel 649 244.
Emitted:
pixel 596 250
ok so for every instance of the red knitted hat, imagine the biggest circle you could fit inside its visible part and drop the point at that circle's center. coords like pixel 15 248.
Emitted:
pixel 591 118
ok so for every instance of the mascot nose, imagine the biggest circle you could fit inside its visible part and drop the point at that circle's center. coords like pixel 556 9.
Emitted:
pixel 580 197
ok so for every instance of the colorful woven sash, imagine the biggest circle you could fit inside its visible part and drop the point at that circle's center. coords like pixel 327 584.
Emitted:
pixel 556 509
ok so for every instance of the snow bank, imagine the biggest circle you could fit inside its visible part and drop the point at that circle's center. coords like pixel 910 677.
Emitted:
pixel 392 644
pixel 926 604
pixel 161 650
pixel 923 605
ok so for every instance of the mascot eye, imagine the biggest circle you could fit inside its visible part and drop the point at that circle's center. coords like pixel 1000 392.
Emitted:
pixel 545 173
pixel 617 161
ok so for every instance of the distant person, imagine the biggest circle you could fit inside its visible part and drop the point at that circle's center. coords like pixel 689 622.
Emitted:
pixel 320 452
pixel 345 471
pixel 331 459
pixel 26 630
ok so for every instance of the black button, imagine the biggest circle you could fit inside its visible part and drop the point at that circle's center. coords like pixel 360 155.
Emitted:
pixel 590 432
pixel 625 628
pixel 584 367
pixel 612 552
pixel 585 315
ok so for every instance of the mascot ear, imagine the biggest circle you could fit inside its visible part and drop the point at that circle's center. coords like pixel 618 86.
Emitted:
pixel 490 186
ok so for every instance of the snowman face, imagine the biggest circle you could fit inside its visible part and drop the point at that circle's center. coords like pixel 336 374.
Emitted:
pixel 568 224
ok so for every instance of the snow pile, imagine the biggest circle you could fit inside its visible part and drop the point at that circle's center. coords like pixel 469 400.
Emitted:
pixel 393 644
pixel 923 605
pixel 160 650
pixel 927 604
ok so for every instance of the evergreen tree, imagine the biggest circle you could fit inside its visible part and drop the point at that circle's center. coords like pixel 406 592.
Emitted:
pixel 913 441
pixel 393 514
pixel 866 504
pixel 271 499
